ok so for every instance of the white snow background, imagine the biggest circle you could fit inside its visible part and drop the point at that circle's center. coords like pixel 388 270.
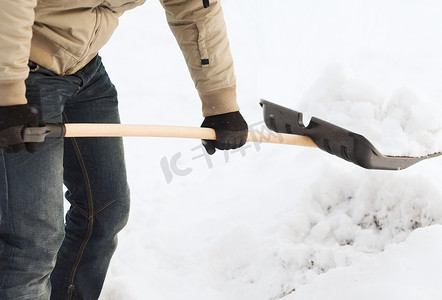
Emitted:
pixel 277 221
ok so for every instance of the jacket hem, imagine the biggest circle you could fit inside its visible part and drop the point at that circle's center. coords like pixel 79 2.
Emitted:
pixel 13 93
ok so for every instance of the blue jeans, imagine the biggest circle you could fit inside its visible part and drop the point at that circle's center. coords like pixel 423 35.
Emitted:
pixel 41 256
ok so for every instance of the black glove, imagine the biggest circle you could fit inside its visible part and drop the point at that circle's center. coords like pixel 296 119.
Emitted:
pixel 13 119
pixel 231 131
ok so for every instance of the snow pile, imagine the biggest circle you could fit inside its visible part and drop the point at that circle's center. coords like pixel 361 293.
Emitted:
pixel 340 221
pixel 403 272
pixel 369 210
pixel 399 124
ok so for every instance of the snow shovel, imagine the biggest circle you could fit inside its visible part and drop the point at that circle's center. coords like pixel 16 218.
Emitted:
pixel 335 140
pixel 286 124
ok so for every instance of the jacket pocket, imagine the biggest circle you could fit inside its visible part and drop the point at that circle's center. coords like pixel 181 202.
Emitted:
pixel 202 47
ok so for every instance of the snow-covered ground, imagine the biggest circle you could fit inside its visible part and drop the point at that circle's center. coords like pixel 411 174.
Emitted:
pixel 275 221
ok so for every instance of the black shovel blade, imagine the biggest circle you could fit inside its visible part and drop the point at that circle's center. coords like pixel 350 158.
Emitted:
pixel 335 140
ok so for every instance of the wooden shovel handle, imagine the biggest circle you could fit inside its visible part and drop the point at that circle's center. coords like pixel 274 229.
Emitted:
pixel 114 130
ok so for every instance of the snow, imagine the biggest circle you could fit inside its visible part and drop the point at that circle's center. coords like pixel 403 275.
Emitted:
pixel 402 124
pixel 406 273
pixel 277 221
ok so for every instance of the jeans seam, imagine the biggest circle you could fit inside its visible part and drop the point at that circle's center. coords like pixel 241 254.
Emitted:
pixel 82 211
pixel 95 212
pixel 90 217
pixel 102 208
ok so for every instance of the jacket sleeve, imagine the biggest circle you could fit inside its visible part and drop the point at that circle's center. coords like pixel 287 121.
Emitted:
pixel 202 36
pixel 16 20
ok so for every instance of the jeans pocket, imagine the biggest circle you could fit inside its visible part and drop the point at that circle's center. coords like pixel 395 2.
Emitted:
pixel 33 67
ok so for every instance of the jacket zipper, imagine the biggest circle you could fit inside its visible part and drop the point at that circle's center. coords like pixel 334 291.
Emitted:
pixel 91 41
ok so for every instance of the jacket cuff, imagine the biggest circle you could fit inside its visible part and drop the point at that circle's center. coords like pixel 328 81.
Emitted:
pixel 13 93
pixel 220 101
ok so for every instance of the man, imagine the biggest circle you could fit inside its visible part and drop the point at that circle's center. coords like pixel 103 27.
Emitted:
pixel 50 72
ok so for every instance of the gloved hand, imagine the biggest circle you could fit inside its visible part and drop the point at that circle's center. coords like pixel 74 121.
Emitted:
pixel 231 131
pixel 13 119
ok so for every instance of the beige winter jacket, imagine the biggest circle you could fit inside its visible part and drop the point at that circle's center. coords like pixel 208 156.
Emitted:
pixel 64 35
